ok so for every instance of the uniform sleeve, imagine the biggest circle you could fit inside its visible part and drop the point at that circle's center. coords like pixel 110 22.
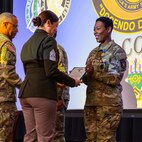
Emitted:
pixel 8 72
pixel 63 66
pixel 116 69
pixel 51 58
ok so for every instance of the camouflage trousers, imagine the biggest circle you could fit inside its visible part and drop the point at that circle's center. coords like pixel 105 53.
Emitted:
pixel 60 126
pixel 101 123
pixel 7 120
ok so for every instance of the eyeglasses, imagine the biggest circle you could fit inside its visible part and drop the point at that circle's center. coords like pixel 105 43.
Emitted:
pixel 15 26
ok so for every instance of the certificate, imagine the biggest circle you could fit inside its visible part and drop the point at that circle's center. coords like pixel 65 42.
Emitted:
pixel 77 72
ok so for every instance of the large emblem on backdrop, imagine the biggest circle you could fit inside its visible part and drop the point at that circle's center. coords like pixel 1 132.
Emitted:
pixel 34 7
pixel 126 14
pixel 127 19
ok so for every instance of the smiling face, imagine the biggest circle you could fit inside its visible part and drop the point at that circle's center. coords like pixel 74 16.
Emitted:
pixel 102 33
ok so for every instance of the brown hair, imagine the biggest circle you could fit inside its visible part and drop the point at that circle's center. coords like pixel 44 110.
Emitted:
pixel 41 19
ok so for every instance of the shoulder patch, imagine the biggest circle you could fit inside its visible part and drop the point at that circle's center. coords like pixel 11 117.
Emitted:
pixel 12 48
pixel 52 56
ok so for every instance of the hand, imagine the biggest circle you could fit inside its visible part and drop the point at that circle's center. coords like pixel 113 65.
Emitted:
pixel 77 82
pixel 60 104
pixel 62 86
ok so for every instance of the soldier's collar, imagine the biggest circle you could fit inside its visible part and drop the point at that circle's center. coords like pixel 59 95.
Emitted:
pixel 105 48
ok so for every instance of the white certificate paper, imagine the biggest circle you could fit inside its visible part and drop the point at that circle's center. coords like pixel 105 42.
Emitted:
pixel 77 72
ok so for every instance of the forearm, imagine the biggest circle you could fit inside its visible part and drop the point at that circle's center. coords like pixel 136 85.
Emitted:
pixel 108 78
pixel 11 76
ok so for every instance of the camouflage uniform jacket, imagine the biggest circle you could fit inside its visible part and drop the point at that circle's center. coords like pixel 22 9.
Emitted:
pixel 103 87
pixel 63 66
pixel 8 76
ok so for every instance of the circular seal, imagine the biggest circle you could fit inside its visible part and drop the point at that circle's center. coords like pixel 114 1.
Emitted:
pixel 126 14
pixel 34 7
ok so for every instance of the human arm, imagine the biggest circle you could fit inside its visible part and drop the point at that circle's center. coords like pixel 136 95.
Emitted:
pixel 7 65
pixel 51 56
pixel 111 72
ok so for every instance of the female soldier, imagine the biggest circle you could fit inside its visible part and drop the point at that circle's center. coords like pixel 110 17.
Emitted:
pixel 105 68
pixel 38 93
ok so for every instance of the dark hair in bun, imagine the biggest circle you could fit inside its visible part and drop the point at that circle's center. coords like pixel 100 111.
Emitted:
pixel 41 19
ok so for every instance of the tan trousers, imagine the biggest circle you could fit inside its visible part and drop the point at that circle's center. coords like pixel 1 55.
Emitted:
pixel 40 117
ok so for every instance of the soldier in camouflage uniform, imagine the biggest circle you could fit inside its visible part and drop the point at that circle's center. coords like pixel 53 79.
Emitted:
pixel 63 97
pixel 105 68
pixel 9 79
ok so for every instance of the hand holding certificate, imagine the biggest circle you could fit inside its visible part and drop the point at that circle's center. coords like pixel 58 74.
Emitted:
pixel 77 72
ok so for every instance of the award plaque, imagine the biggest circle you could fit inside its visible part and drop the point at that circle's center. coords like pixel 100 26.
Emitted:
pixel 77 72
